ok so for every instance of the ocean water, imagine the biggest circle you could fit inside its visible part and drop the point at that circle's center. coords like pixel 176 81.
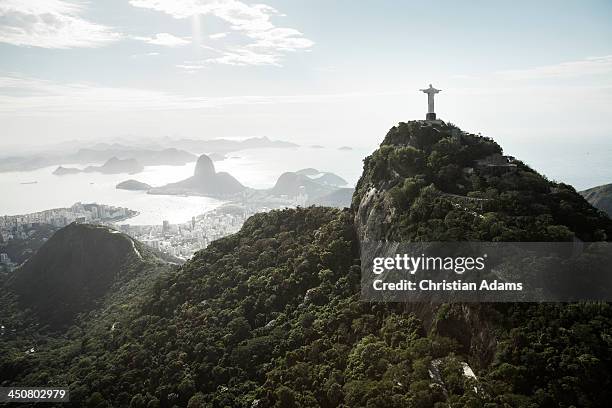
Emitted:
pixel 258 168
pixel 52 191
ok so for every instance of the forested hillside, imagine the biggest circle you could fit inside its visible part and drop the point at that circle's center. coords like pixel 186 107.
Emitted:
pixel 272 316
pixel 437 183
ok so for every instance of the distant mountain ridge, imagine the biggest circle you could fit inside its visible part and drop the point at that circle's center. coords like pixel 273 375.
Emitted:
pixel 600 197
pixel 170 152
pixel 292 184
pixel 310 182
pixel 321 177
pixel 111 166
pixel 148 157
pixel 223 146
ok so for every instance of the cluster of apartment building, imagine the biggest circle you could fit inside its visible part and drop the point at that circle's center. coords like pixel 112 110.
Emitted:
pixel 178 240
pixel 184 239
pixel 60 217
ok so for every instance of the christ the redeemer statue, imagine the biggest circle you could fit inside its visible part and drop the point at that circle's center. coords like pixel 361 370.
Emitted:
pixel 431 91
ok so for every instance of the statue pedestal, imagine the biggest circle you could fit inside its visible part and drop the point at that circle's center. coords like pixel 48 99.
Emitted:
pixel 430 116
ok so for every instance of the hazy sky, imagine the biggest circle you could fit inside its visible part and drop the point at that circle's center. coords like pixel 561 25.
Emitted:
pixel 317 71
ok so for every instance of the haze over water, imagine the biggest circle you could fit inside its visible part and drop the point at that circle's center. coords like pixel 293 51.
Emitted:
pixel 258 168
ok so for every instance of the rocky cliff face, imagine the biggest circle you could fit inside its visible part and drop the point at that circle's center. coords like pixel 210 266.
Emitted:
pixel 204 168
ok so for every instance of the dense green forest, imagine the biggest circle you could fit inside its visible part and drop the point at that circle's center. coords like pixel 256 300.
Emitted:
pixel 271 316
pixel 433 189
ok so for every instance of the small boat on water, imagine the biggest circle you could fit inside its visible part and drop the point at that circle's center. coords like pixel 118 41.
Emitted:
pixel 29 182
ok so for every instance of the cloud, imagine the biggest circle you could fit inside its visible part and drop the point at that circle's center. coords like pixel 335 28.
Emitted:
pixel 50 24
pixel 164 39
pixel 254 21
pixel 244 56
pixel 570 69
pixel 238 56
pixel 192 67
pixel 217 36
pixel 146 54
pixel 20 95
pixel 283 39
pixel 328 68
